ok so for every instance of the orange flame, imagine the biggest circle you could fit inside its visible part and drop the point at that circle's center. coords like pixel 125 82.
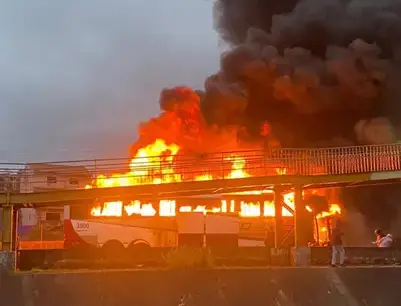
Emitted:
pixel 237 168
pixel 335 209
pixel 167 208
pixel 145 167
pixel 153 164
pixel 110 209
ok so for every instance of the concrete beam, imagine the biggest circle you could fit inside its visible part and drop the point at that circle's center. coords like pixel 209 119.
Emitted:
pixel 177 189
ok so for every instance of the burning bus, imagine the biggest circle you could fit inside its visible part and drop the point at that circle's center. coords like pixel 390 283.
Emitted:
pixel 242 219
pixel 219 220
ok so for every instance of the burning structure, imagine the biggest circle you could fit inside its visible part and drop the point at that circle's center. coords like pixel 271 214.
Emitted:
pixel 270 207
pixel 298 74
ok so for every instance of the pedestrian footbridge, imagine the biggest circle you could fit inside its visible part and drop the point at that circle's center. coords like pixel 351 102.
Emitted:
pixel 183 175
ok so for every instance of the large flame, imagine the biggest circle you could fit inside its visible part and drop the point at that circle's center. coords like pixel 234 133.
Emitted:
pixel 145 167
pixel 154 164
pixel 167 208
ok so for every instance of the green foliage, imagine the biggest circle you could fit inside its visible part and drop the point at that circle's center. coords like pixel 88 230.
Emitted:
pixel 187 257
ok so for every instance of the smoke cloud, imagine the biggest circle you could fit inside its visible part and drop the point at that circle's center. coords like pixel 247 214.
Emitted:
pixel 320 72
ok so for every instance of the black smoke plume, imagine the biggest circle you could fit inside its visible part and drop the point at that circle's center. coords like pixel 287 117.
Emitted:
pixel 313 69
pixel 321 72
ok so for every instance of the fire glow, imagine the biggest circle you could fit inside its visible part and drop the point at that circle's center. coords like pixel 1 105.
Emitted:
pixel 143 171
pixel 167 208
pixel 154 164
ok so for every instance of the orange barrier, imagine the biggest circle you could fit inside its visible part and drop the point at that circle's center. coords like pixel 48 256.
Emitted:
pixel 41 245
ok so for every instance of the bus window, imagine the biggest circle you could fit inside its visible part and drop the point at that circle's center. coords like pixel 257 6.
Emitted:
pixel 106 209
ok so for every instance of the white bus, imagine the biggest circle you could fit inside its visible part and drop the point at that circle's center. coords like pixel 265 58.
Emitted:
pixel 200 221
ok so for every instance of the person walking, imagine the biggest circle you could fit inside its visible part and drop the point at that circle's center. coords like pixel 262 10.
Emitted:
pixel 337 245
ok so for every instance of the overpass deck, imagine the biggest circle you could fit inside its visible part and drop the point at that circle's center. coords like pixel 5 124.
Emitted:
pixel 164 176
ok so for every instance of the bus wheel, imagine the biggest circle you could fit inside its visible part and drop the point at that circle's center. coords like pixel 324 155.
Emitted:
pixel 113 250
pixel 139 251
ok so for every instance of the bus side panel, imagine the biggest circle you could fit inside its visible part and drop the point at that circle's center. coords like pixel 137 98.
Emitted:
pixel 191 227
pixel 167 238
pixel 222 230
pixel 71 237
pixel 98 233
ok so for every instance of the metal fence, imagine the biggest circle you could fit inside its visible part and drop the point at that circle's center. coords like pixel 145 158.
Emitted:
pixel 222 165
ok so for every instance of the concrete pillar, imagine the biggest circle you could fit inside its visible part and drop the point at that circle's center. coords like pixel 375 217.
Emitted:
pixel 7 254
pixel 300 219
pixel 262 207
pixel 279 229
pixel 303 230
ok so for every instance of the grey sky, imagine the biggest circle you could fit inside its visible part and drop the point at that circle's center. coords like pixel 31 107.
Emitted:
pixel 76 77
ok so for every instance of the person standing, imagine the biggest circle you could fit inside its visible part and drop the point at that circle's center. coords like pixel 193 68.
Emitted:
pixel 379 236
pixel 337 245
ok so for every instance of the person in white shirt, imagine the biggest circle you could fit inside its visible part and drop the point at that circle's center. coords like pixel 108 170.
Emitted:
pixel 386 241
pixel 382 240
pixel 337 245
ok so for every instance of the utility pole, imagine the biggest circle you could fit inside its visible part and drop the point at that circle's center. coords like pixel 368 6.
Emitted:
pixel 9 232
pixel 8 224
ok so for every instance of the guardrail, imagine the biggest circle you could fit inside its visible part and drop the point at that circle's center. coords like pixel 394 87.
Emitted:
pixel 31 177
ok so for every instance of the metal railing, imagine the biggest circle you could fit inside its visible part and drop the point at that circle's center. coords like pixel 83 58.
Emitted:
pixel 222 165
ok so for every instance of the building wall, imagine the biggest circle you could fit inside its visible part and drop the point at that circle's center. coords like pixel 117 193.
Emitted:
pixel 46 178
pixel 43 223
pixel 9 182
pixel 31 182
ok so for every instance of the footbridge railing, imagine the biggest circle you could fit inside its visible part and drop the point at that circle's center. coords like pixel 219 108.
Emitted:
pixel 31 177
